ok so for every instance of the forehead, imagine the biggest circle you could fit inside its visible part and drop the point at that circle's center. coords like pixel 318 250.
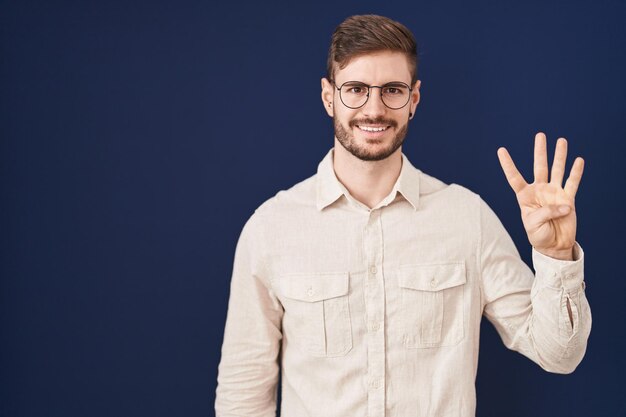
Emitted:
pixel 376 68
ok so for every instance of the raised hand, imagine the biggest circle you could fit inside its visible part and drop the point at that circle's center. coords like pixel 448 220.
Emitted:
pixel 547 208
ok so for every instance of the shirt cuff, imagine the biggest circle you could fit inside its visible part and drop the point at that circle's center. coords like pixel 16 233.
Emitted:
pixel 557 273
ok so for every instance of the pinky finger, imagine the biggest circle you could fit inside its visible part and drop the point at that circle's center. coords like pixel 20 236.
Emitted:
pixel 576 173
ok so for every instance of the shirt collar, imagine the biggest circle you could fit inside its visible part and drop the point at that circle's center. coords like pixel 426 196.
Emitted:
pixel 329 189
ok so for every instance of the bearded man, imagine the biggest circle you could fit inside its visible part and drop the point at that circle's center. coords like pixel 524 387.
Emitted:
pixel 365 284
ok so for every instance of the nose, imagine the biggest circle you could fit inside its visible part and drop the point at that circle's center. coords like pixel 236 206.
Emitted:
pixel 374 105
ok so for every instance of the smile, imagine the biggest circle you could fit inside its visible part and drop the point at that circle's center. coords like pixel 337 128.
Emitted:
pixel 373 128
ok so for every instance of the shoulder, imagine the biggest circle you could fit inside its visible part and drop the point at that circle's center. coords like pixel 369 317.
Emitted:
pixel 299 196
pixel 435 189
pixel 460 200
pixel 284 205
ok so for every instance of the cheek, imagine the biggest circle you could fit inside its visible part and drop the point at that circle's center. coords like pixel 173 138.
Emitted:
pixel 343 116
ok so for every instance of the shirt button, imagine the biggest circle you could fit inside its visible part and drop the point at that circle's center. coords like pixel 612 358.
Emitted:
pixel 375 383
pixel 375 327
pixel 434 282
pixel 373 270
pixel 310 291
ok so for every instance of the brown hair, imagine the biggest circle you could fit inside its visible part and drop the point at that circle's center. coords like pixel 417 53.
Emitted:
pixel 363 34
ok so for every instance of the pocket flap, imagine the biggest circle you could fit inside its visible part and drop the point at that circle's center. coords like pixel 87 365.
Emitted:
pixel 433 277
pixel 315 287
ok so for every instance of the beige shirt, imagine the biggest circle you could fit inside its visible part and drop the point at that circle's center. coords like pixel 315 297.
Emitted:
pixel 376 312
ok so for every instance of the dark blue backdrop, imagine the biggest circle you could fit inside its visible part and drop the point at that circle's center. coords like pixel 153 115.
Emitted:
pixel 137 138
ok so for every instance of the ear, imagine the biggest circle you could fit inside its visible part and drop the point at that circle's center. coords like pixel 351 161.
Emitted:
pixel 415 96
pixel 328 92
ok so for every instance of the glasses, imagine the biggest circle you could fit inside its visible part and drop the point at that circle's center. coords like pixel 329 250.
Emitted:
pixel 354 94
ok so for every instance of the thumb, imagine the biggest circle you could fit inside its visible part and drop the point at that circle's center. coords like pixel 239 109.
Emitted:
pixel 547 213
pixel 563 210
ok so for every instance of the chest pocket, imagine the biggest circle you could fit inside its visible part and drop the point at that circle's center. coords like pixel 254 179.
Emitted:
pixel 317 312
pixel 432 304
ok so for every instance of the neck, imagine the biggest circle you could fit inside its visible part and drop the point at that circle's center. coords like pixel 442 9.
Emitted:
pixel 367 181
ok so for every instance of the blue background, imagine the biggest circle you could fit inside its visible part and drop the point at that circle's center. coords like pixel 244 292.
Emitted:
pixel 137 138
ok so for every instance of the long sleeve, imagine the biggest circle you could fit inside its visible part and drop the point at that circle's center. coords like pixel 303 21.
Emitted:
pixel 532 313
pixel 248 370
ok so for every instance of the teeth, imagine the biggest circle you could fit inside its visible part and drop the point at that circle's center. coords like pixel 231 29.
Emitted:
pixel 372 129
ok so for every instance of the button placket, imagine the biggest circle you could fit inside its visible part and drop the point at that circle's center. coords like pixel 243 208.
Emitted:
pixel 376 383
pixel 375 307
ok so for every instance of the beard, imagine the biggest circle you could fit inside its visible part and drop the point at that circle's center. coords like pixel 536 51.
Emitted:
pixel 347 140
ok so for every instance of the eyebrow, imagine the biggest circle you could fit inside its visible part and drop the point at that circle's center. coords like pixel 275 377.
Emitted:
pixel 396 84
pixel 389 84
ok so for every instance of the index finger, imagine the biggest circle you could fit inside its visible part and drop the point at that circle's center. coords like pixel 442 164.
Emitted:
pixel 513 176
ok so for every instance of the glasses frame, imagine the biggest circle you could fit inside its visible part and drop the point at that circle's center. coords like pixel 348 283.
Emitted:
pixel 369 89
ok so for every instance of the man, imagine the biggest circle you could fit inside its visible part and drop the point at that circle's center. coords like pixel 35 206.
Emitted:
pixel 365 284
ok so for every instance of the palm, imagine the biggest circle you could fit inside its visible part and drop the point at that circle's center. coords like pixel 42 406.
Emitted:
pixel 548 230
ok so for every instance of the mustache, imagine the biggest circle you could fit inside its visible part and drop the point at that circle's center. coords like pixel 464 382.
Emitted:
pixel 376 121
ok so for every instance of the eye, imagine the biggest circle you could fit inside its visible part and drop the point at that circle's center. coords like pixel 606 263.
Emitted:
pixel 393 91
pixel 356 89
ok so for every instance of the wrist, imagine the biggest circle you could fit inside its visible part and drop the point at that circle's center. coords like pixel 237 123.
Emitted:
pixel 560 254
